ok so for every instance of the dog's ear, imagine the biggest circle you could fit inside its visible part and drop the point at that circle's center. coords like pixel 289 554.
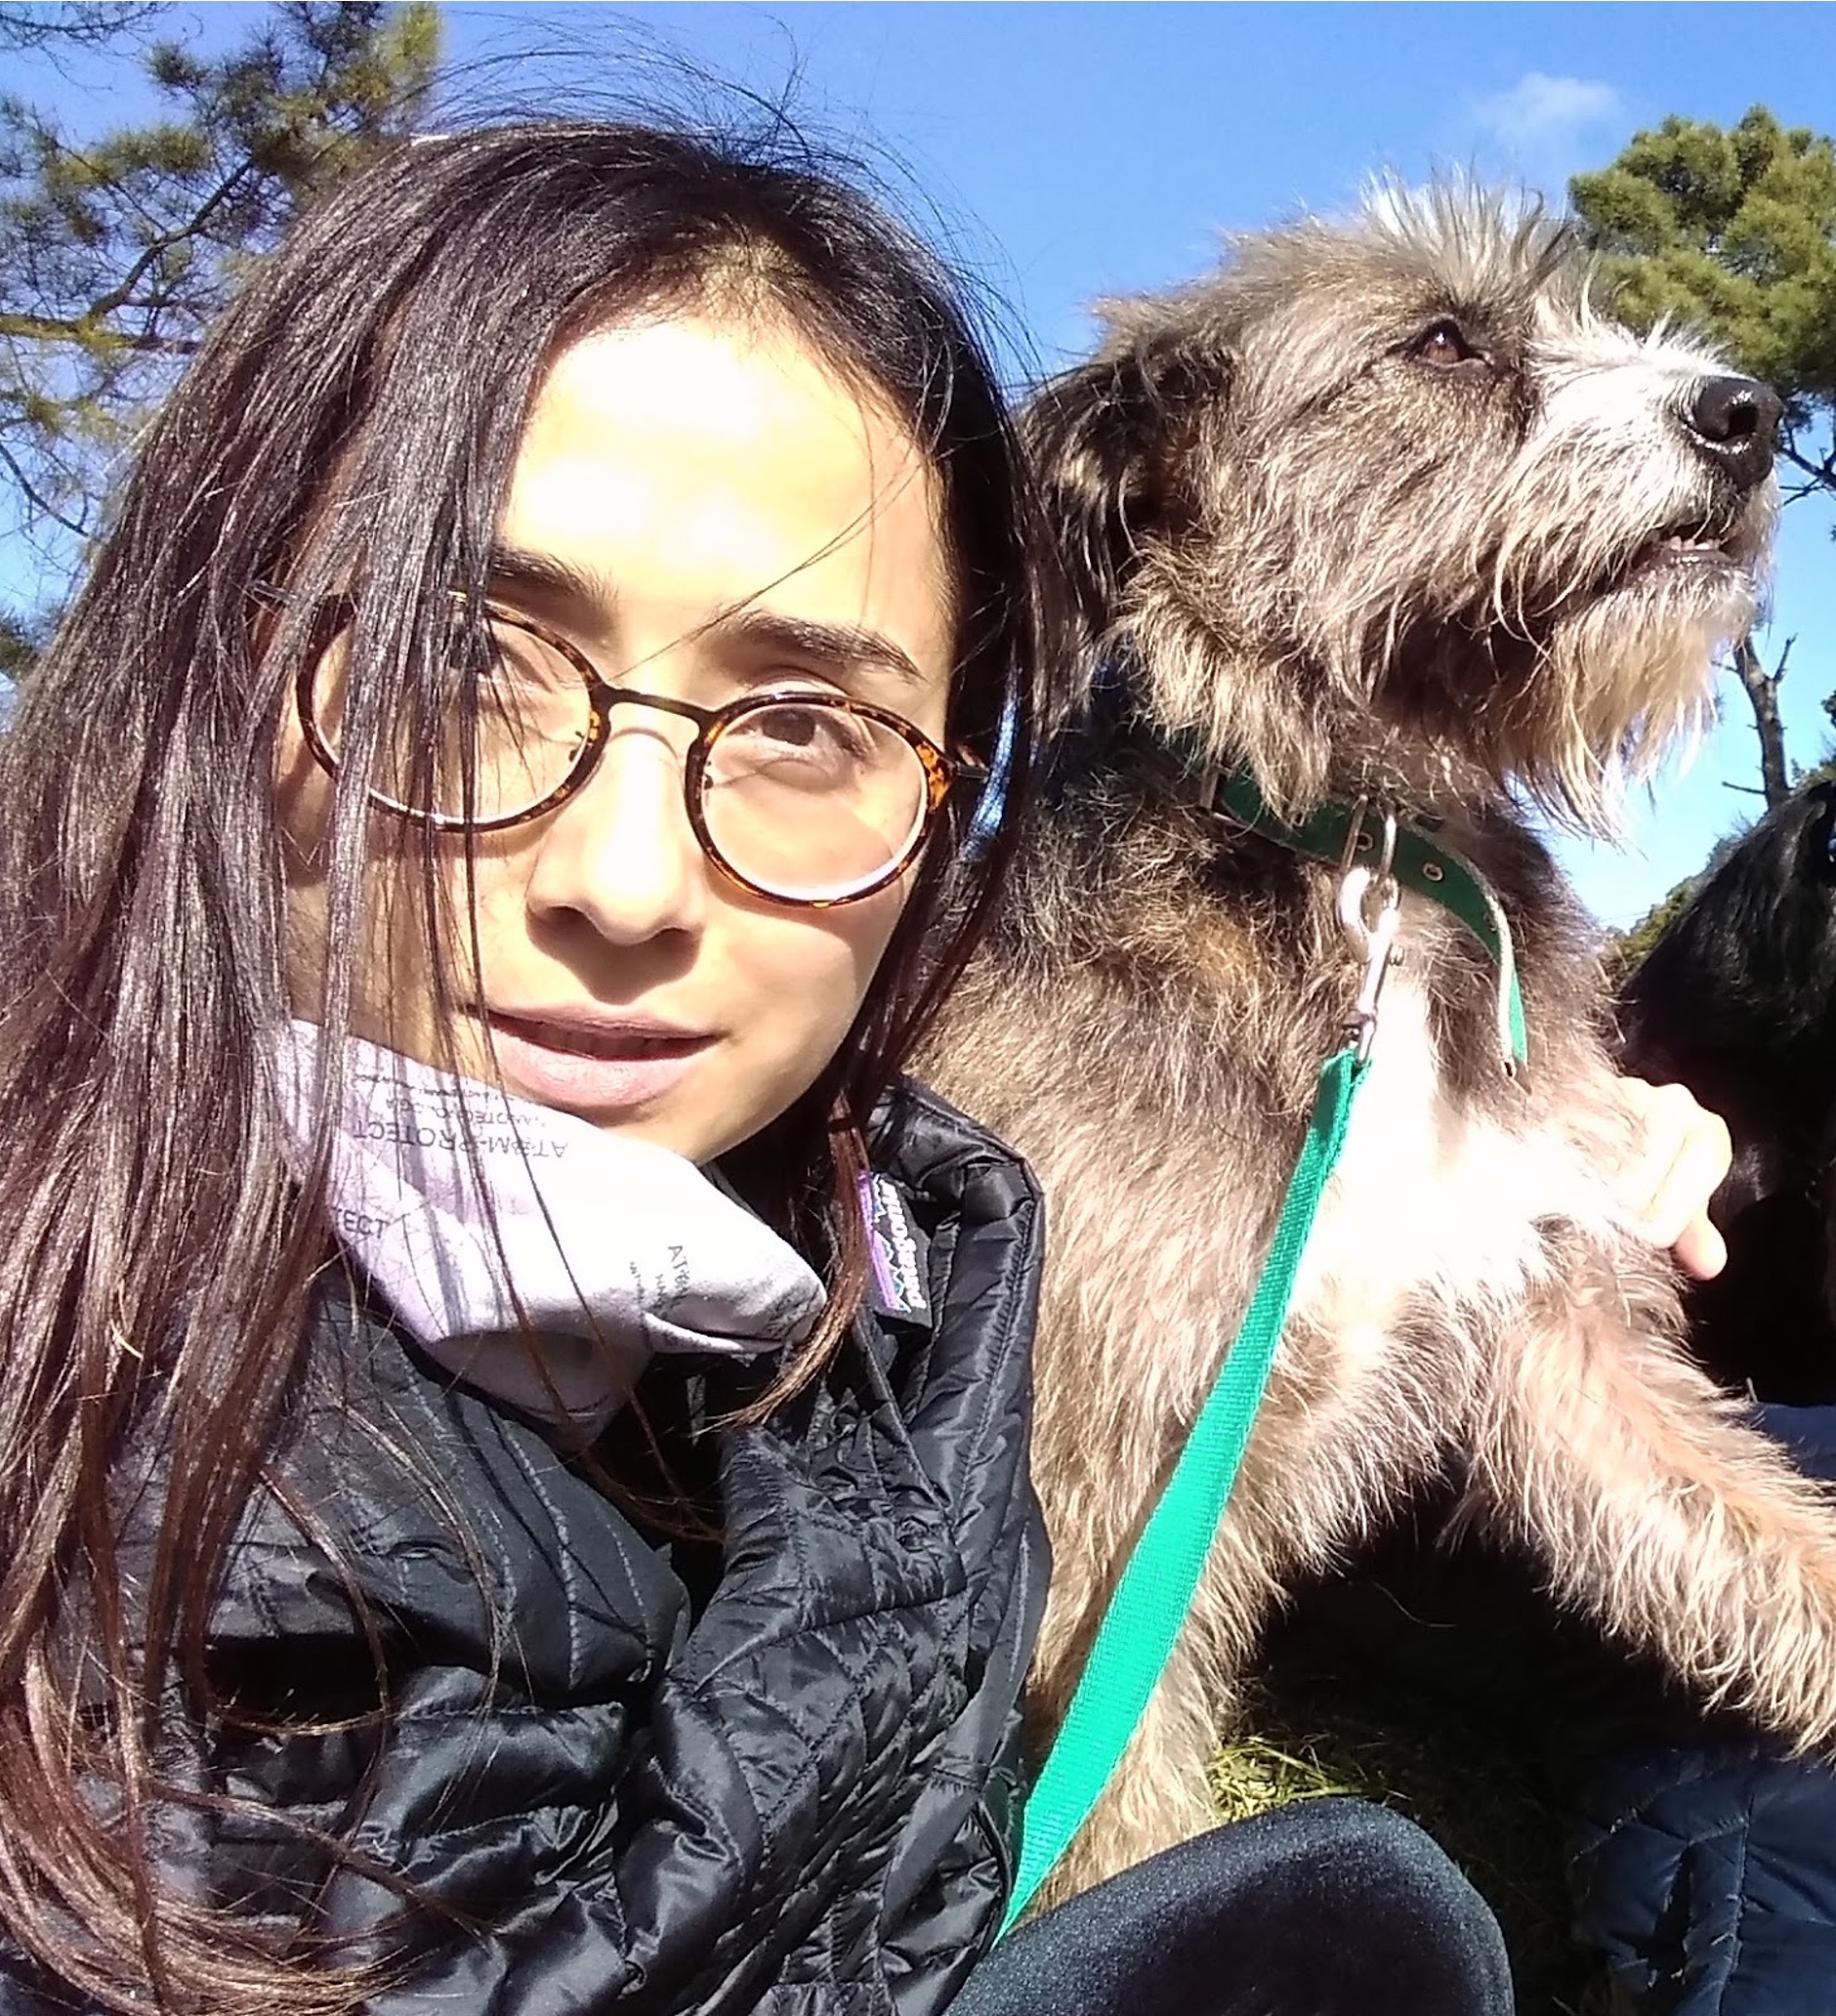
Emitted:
pixel 1103 437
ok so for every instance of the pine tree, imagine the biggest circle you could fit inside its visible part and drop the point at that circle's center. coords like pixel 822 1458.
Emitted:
pixel 117 249
pixel 1735 233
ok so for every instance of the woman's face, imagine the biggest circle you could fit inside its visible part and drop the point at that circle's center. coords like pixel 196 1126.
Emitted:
pixel 703 508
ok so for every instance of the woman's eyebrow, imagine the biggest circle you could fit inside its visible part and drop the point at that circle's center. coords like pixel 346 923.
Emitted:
pixel 847 647
pixel 547 575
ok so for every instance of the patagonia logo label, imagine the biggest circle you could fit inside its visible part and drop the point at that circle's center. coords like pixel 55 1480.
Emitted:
pixel 899 1252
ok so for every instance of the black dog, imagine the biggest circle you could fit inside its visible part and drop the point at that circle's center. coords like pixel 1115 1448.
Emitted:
pixel 1738 1001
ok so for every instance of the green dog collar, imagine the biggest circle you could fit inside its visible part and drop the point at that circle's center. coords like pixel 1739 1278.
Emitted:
pixel 1421 863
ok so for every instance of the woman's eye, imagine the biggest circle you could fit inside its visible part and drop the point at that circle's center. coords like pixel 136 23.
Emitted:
pixel 1443 343
pixel 821 731
pixel 826 742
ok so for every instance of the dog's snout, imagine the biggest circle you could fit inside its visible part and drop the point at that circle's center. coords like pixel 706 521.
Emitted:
pixel 1736 423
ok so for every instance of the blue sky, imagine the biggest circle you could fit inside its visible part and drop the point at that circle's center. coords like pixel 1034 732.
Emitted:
pixel 1066 152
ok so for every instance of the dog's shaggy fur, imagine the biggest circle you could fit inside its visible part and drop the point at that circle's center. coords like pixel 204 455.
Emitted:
pixel 1382 509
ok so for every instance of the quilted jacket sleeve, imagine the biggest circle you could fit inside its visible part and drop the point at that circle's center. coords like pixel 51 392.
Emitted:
pixel 951 1883
pixel 1704 1863
pixel 1706 1875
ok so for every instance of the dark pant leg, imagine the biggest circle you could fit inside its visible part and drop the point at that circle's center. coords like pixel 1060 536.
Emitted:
pixel 1329 1907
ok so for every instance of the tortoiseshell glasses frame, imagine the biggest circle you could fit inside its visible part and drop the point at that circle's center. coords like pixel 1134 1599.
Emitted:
pixel 935 772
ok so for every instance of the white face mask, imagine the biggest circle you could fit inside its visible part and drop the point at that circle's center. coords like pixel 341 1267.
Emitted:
pixel 609 1249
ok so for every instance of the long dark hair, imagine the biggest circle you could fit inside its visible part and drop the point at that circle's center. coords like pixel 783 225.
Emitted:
pixel 352 424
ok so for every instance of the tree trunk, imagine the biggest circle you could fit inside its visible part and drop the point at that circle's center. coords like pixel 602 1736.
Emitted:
pixel 1763 691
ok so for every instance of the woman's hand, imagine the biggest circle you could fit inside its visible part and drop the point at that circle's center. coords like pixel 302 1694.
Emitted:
pixel 1681 1153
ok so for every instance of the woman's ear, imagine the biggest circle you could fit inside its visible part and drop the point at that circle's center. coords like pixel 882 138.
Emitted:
pixel 1104 438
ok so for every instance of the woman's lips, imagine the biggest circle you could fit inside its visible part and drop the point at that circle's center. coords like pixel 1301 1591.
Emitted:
pixel 598 1069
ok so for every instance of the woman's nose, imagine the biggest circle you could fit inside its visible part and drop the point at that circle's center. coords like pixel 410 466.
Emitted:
pixel 621 854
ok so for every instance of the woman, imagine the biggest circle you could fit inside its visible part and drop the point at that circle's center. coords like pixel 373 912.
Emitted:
pixel 506 763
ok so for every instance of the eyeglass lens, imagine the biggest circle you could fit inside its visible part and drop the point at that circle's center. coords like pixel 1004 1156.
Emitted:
pixel 801 798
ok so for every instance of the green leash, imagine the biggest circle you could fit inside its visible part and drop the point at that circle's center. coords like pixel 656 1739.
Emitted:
pixel 1149 1605
pixel 1155 1593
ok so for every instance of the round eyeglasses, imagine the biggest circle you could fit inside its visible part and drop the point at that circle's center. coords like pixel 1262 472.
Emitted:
pixel 808 798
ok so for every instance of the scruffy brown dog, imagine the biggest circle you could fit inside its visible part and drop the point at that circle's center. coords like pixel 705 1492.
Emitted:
pixel 1382 512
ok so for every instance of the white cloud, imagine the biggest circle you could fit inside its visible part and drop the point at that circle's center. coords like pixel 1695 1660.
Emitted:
pixel 1543 117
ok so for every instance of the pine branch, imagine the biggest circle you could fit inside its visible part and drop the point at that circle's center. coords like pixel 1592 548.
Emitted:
pixel 74 24
pixel 119 244
pixel 1818 475
pixel 118 296
pixel 80 330
pixel 35 498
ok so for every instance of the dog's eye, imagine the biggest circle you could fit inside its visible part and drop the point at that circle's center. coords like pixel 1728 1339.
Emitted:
pixel 1443 343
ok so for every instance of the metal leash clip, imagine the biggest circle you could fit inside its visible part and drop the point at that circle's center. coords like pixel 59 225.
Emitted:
pixel 1370 907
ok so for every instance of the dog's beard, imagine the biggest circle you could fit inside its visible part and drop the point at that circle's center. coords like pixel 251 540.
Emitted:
pixel 1629 677
pixel 1629 568
pixel 1564 663
pixel 1570 708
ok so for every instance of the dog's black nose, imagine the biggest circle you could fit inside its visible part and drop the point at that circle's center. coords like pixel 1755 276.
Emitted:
pixel 1735 424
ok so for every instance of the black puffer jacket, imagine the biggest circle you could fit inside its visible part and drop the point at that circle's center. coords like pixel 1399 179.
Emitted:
pixel 788 1789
